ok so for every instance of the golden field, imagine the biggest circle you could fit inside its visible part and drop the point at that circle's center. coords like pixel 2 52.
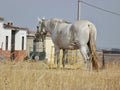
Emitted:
pixel 37 76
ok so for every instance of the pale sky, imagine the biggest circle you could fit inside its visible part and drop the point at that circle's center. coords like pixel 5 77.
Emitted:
pixel 25 12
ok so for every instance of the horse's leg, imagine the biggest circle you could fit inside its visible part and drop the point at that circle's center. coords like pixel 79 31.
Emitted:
pixel 83 51
pixel 63 58
pixel 57 53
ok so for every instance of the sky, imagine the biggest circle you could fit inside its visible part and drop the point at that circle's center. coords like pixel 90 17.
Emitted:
pixel 25 13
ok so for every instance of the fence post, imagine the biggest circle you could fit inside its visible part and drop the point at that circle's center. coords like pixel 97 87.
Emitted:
pixel 103 60
pixel 51 57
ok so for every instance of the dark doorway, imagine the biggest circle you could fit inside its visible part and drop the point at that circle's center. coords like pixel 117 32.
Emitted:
pixel 22 43
pixel 6 47
pixel 12 44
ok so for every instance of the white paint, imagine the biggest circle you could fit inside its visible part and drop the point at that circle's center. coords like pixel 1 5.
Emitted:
pixel 3 34
pixel 18 38
pixel 49 49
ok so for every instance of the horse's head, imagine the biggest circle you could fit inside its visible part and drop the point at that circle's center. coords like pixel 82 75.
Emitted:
pixel 49 24
pixel 41 26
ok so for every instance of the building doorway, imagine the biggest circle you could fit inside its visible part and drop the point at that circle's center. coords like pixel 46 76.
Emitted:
pixel 12 44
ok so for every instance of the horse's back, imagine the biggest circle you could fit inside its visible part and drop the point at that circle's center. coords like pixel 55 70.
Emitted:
pixel 81 31
pixel 81 23
pixel 86 26
pixel 66 35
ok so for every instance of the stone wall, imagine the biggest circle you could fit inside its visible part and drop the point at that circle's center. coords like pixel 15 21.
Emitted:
pixel 5 54
pixel 19 55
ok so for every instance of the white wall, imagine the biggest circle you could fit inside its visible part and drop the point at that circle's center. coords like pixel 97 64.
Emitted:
pixel 3 34
pixel 49 49
pixel 18 39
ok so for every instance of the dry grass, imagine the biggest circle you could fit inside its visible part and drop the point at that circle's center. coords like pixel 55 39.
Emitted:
pixel 37 76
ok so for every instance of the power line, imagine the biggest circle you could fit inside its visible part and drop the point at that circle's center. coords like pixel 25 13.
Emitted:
pixel 99 8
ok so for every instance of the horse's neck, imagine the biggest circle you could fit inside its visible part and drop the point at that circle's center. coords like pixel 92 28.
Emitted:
pixel 60 27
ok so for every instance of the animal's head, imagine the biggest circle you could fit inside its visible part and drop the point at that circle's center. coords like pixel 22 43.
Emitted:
pixel 42 26
pixel 49 24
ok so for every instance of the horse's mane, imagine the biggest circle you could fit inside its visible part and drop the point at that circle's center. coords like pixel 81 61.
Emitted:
pixel 60 21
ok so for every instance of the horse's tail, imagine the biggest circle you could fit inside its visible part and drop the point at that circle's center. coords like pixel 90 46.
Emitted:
pixel 92 46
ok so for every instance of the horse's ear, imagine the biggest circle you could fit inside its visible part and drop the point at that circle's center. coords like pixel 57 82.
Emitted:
pixel 39 20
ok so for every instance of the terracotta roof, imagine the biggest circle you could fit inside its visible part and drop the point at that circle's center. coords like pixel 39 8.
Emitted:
pixel 31 32
pixel 11 26
pixel 1 19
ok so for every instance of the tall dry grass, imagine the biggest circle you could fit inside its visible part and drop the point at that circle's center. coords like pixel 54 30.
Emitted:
pixel 37 76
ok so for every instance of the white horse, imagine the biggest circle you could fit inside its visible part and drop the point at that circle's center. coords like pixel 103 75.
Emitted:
pixel 72 36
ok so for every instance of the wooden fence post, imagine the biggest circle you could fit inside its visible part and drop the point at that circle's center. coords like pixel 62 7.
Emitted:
pixel 103 60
